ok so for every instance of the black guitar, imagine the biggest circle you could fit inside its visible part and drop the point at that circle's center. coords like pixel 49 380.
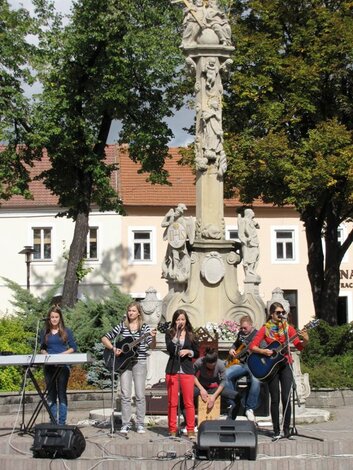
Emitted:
pixel 264 367
pixel 128 348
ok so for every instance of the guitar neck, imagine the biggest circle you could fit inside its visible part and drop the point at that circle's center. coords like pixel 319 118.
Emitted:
pixel 242 352
pixel 287 342
pixel 139 340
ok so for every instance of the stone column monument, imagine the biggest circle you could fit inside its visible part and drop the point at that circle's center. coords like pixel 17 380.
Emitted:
pixel 200 264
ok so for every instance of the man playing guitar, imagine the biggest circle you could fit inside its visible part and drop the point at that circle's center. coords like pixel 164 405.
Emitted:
pixel 238 357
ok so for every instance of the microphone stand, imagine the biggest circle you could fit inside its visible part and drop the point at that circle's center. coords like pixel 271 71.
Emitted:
pixel 177 352
pixel 42 395
pixel 112 425
pixel 294 392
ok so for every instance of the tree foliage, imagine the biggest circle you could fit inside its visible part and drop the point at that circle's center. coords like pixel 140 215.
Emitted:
pixel 114 60
pixel 17 75
pixel 288 119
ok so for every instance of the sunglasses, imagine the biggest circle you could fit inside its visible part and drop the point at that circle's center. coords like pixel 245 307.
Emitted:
pixel 282 312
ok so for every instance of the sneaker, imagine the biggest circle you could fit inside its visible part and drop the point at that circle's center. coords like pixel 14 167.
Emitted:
pixel 276 436
pixel 250 415
pixel 140 429
pixel 191 435
pixel 125 428
pixel 287 434
pixel 232 411
pixel 185 431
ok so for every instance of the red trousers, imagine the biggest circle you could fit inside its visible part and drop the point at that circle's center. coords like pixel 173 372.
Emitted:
pixel 187 391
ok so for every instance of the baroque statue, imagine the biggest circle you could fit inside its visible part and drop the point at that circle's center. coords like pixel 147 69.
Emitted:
pixel 178 230
pixel 247 232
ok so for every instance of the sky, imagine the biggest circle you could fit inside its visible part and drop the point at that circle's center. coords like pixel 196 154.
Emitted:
pixel 183 118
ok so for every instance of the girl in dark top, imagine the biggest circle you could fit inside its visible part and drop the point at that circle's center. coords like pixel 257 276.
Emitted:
pixel 182 348
pixel 56 339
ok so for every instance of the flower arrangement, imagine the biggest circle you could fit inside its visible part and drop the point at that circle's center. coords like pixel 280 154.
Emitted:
pixel 226 330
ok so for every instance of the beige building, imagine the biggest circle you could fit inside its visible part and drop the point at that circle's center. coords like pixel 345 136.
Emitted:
pixel 128 251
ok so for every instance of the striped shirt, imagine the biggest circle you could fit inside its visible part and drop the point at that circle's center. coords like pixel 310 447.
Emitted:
pixel 123 332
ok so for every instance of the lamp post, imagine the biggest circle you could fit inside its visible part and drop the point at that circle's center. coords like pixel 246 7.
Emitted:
pixel 28 251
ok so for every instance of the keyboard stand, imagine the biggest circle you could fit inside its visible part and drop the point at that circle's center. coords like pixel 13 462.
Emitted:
pixel 26 429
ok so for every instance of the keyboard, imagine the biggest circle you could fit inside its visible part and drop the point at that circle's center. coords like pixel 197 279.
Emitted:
pixel 45 359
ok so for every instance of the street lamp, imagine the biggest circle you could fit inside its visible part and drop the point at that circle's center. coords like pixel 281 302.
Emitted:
pixel 28 251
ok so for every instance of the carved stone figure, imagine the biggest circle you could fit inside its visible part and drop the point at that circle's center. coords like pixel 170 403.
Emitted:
pixel 217 21
pixel 152 307
pixel 178 229
pixel 211 71
pixel 212 134
pixel 247 232
pixel 200 16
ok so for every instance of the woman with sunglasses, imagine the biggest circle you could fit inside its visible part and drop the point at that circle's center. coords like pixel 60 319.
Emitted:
pixel 277 329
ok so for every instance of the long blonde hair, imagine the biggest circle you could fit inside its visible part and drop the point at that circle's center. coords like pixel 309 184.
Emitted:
pixel 140 317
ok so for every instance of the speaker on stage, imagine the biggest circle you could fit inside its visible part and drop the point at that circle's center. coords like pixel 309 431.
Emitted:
pixel 226 440
pixel 57 441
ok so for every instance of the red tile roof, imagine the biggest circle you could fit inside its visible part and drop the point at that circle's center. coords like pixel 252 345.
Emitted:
pixel 133 188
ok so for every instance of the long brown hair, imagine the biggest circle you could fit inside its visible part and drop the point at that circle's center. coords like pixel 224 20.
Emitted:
pixel 140 317
pixel 272 309
pixel 188 326
pixel 61 327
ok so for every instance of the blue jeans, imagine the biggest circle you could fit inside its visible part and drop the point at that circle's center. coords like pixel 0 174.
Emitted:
pixel 235 373
pixel 57 391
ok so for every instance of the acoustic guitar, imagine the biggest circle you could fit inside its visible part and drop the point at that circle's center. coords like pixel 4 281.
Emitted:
pixel 264 367
pixel 241 351
pixel 128 348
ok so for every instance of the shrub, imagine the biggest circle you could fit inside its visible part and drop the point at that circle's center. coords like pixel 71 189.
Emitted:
pixel 14 339
pixel 333 372
pixel 91 319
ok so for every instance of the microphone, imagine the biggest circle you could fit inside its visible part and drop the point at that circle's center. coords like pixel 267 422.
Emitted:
pixel 282 316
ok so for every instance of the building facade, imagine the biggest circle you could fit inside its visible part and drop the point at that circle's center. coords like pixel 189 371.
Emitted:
pixel 128 251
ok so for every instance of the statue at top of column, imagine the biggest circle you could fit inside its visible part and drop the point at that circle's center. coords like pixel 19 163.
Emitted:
pixel 247 232
pixel 201 15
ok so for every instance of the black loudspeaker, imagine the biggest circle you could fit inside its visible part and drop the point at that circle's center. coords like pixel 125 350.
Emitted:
pixel 226 440
pixel 57 441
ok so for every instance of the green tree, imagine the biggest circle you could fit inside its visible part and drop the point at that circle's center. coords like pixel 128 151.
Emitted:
pixel 115 60
pixel 288 120
pixel 17 74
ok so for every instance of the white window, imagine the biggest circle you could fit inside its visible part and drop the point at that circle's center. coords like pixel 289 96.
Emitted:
pixel 42 243
pixel 341 236
pixel 284 245
pixel 91 251
pixel 232 233
pixel 142 245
